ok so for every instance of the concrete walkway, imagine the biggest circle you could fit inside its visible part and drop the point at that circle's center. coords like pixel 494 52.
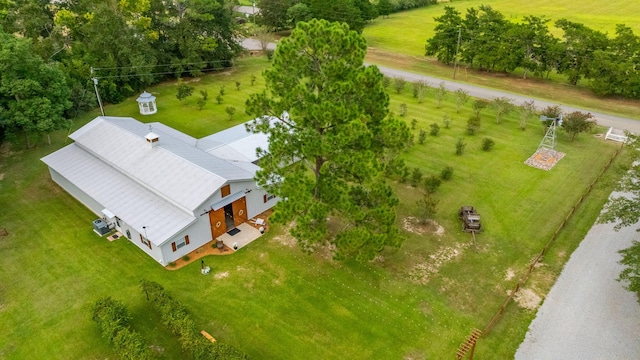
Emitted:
pixel 588 315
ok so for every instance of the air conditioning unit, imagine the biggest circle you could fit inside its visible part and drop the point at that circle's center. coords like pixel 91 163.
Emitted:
pixel 100 227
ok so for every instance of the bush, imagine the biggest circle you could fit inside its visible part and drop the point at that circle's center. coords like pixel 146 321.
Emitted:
pixel 386 82
pixel 431 184
pixel 221 92
pixel 473 125
pixel 446 120
pixel 403 109
pixel 205 94
pixel 422 137
pixel 237 85
pixel 230 110
pixel 414 123
pixel 219 99
pixel 416 177
pixel 201 103
pixel 460 144
pixel 435 129
pixel 113 320
pixel 186 258
pixel 269 53
pixel 399 84
pixel 427 207
pixel 446 173
pixel 253 79
pixel 487 144
pixel 176 317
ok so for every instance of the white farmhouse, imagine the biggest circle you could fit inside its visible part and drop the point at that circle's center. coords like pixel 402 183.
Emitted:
pixel 168 192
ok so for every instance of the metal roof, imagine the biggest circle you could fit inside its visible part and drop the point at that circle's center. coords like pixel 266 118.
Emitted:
pixel 235 143
pixel 174 168
pixel 132 202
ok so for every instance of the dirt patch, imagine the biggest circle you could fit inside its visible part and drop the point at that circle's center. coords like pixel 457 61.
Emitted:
pixel 510 274
pixel 417 226
pixel 415 355
pixel 221 275
pixel 286 239
pixel 527 298
pixel 423 271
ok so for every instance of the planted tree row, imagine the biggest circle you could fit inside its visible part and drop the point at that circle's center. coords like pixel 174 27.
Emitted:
pixel 484 39
pixel 177 319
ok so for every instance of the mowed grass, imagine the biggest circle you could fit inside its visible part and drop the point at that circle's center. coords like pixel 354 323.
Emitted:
pixel 407 32
pixel 274 302
pixel 399 42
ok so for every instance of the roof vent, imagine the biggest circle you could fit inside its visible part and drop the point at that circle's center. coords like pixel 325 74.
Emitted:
pixel 152 138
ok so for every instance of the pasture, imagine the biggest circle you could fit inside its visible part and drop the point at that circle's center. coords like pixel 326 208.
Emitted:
pixel 274 302
pixel 399 42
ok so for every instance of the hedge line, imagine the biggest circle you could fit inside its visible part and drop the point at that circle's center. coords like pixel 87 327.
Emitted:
pixel 176 317
pixel 113 320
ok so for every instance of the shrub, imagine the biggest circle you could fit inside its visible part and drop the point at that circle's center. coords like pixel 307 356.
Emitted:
pixel 416 177
pixel 435 129
pixel 473 125
pixel 253 79
pixel 201 103
pixel 399 84
pixel 186 258
pixel 460 144
pixel 422 137
pixel 432 183
pixel 219 99
pixel 172 264
pixel 178 320
pixel 446 120
pixel 237 85
pixel 230 110
pixel 386 82
pixel 184 90
pixel 269 53
pixel 205 94
pixel 113 318
pixel 414 122
pixel 221 92
pixel 446 173
pixel 427 207
pixel 403 109
pixel 487 144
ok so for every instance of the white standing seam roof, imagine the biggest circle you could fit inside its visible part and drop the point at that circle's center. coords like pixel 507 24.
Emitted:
pixel 130 201
pixel 235 144
pixel 159 187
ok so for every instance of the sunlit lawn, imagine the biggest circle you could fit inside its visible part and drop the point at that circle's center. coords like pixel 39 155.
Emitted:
pixel 399 42
pixel 269 299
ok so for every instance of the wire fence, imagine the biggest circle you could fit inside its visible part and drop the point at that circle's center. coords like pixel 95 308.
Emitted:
pixel 466 345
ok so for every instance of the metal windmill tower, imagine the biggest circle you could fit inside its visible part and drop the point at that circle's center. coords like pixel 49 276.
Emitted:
pixel 549 140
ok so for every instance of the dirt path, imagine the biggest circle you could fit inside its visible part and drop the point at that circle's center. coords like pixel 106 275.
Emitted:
pixel 588 314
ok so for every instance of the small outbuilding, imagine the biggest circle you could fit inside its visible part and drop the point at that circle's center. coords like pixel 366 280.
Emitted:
pixel 147 104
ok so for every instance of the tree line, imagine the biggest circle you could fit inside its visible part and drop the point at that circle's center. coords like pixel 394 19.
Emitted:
pixel 484 39
pixel 50 50
pixel 285 14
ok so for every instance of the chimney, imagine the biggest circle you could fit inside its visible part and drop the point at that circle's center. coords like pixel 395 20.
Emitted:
pixel 152 138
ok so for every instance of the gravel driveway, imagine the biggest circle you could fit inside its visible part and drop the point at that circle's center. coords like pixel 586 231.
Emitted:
pixel 588 314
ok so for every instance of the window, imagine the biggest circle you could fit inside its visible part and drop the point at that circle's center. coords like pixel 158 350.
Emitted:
pixel 225 190
pixel 182 243
pixel 145 241
pixel 268 197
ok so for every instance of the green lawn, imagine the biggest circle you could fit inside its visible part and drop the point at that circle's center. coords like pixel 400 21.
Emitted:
pixel 399 41
pixel 274 302
pixel 407 32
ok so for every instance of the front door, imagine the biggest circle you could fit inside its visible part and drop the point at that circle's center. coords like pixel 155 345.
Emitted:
pixel 217 222
pixel 239 211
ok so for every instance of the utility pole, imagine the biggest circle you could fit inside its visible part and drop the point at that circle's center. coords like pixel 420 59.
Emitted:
pixel 95 86
pixel 455 61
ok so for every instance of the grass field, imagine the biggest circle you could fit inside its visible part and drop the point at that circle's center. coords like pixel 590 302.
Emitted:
pixel 274 302
pixel 399 41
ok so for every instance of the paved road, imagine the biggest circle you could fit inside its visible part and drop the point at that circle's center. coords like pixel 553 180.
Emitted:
pixel 607 120
pixel 588 315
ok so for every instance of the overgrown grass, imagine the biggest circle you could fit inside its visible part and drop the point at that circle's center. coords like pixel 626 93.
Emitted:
pixel 274 302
